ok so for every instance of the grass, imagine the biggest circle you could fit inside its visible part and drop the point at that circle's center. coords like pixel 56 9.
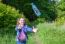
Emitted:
pixel 47 33
pixel 7 39
pixel 51 34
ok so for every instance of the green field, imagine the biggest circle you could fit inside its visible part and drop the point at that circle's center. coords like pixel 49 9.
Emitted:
pixel 48 33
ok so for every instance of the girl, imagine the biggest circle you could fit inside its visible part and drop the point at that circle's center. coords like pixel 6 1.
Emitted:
pixel 22 27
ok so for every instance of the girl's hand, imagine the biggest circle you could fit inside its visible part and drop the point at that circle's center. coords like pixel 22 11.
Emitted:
pixel 35 29
pixel 19 26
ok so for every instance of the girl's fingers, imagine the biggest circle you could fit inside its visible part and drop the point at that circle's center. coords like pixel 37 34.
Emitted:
pixel 35 30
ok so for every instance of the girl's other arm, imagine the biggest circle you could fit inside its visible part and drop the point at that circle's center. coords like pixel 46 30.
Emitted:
pixel 29 29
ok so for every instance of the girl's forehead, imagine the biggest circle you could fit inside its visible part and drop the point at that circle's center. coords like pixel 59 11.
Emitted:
pixel 22 19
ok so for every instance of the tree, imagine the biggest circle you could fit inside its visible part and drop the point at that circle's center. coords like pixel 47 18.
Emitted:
pixel 61 12
pixel 8 15
pixel 47 8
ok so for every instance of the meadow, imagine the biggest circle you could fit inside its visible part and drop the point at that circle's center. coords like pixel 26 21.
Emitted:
pixel 48 33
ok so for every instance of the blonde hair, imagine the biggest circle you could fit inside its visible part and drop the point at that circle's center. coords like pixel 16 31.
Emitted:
pixel 19 19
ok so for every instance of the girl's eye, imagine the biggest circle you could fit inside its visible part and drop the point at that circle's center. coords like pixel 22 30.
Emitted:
pixel 22 20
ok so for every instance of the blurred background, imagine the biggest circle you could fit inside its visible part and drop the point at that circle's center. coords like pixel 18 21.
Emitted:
pixel 50 24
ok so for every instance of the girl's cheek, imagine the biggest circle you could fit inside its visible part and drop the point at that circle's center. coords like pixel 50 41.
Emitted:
pixel 20 22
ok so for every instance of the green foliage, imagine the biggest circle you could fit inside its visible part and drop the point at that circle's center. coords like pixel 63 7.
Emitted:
pixel 49 33
pixel 50 9
pixel 8 15
pixel 60 21
pixel 61 12
pixel 47 9
pixel 43 5
pixel 22 5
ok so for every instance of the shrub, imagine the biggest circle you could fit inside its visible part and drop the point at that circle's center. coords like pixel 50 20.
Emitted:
pixel 8 15
pixel 61 12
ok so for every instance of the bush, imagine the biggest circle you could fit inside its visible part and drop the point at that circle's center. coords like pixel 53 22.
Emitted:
pixel 61 12
pixel 43 5
pixel 22 5
pixel 8 15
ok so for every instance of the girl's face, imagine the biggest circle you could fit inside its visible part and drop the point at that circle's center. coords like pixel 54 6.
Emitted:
pixel 22 21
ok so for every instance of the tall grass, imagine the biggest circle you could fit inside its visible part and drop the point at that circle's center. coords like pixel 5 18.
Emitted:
pixel 51 34
pixel 47 33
